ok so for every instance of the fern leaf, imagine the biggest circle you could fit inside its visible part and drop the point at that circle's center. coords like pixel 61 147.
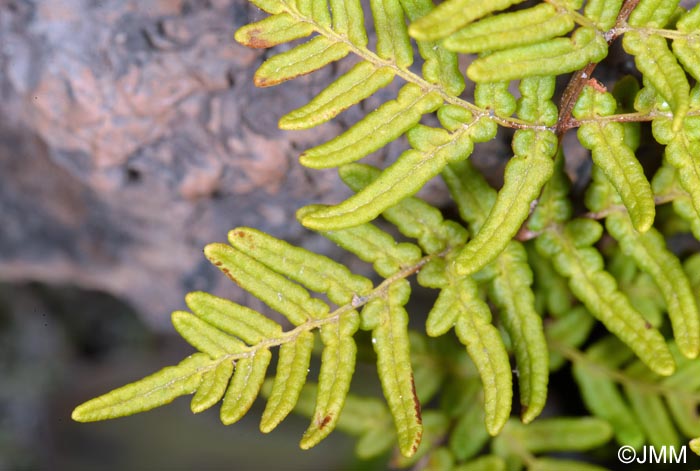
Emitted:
pixel 685 49
pixel 683 407
pixel 525 175
pixel 452 15
pixel 650 253
pixel 446 309
pixel 553 205
pixel 316 10
pixel 385 124
pixel 510 290
pixel 205 337
pixel 495 96
pixel 441 67
pixel 682 154
pixel 563 434
pixel 231 318
pixel 568 331
pixel 337 367
pixel 148 393
pixel 509 30
pixel 359 83
pixel 245 385
pixel 394 184
pixel 348 21
pixel 435 426
pixel 660 67
pixel 473 195
pixel 615 158
pixel 316 272
pixel 292 368
pixel 303 59
pixel 486 349
pixel 512 294
pixel 483 463
pixel 469 434
pixel 550 435
pixel 600 394
pixel 459 305
pixel 393 43
pixel 650 410
pixel 388 321
pixel 273 30
pixel 273 289
pixel 583 265
pixel 212 388
pixel 655 13
pixel 373 245
pixel 549 285
pixel 603 12
pixel 413 217
pixel 553 57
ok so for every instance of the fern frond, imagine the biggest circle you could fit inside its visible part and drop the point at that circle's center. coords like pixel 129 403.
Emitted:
pixel 650 253
pixel 553 57
pixel 361 82
pixel 152 391
pixel 654 13
pixel 317 272
pixel 511 292
pixel 272 31
pixel 519 443
pixel 441 67
pixel 569 330
pixel 483 463
pixel 388 321
pixel 508 30
pixel 459 305
pixel 614 157
pixel 601 395
pixel 337 367
pixel 452 15
pixel 292 368
pixel 509 289
pixel 603 12
pixel 386 123
pixel 245 385
pixel 413 217
pixel 282 295
pixel 373 245
pixel 660 67
pixel 686 50
pixel 569 248
pixel 639 414
pixel 434 148
pixel 525 175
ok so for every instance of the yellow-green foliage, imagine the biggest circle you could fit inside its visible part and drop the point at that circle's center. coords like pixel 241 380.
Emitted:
pixel 522 279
